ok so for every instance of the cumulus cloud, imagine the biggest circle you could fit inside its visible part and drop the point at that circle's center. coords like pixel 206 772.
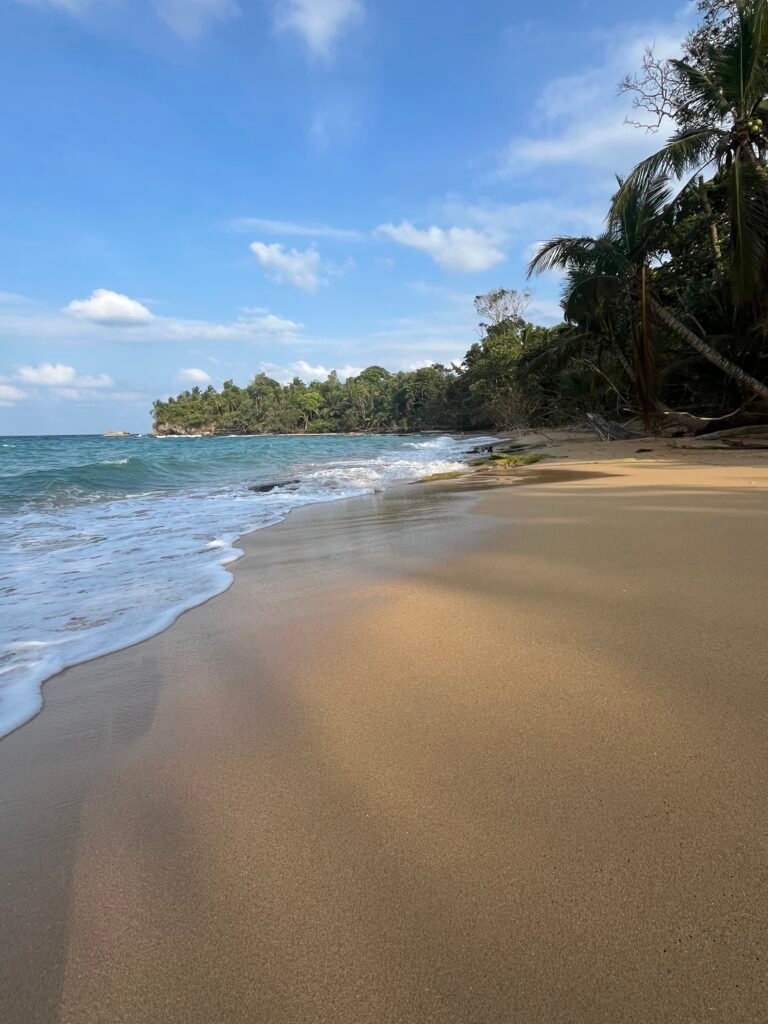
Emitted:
pixel 107 307
pixel 190 18
pixel 461 249
pixel 301 268
pixel 320 23
pixel 306 372
pixel 50 374
pixel 9 394
pixel 58 375
pixel 253 326
pixel 194 376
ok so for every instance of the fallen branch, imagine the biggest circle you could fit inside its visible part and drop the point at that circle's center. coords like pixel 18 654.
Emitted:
pixel 608 431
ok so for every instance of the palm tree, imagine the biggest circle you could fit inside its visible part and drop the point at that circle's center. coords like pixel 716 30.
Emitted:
pixel 725 106
pixel 610 276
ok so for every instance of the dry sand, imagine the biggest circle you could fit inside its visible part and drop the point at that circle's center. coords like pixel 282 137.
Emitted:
pixel 437 756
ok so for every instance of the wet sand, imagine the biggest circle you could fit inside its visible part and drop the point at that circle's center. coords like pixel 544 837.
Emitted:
pixel 440 755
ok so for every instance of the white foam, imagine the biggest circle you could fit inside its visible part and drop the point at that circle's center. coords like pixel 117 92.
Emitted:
pixel 81 580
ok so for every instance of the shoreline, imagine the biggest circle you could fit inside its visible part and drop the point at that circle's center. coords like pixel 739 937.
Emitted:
pixel 31 703
pixel 450 753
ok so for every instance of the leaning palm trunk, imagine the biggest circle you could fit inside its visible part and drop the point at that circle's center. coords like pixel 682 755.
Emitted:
pixel 645 355
pixel 731 369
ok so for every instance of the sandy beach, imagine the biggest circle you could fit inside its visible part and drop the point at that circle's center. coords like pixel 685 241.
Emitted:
pixel 453 753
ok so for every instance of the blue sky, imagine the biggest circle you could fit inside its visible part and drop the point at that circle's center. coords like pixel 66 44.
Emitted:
pixel 201 189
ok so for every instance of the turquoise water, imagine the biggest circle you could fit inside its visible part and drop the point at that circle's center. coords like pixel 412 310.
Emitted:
pixel 105 541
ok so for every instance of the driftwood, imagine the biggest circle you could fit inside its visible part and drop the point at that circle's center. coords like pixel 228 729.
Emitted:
pixel 608 431
pixel 732 447
pixel 752 438
pixel 756 432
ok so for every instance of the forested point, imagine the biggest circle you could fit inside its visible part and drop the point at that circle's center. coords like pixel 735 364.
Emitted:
pixel 665 313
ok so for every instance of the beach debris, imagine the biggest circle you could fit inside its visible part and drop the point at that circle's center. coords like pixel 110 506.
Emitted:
pixel 452 474
pixel 608 431
pixel 506 460
pixel 754 436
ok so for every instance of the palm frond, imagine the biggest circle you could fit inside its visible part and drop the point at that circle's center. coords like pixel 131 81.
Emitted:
pixel 689 149
pixel 705 95
pixel 637 223
pixel 559 252
pixel 748 198
pixel 558 352
pixel 589 295
pixel 757 82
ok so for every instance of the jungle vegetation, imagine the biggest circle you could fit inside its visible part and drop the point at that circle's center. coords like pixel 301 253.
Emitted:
pixel 665 312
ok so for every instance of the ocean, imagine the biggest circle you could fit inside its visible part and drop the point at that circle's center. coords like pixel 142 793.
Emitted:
pixel 106 541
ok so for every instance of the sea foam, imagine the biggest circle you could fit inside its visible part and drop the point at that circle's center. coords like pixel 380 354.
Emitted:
pixel 104 543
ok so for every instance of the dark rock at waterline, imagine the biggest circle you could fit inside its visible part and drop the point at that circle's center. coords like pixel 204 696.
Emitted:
pixel 500 446
pixel 266 488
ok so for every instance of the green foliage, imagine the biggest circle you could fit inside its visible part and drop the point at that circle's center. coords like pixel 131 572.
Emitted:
pixel 485 392
pixel 674 293
pixel 720 99
pixel 374 401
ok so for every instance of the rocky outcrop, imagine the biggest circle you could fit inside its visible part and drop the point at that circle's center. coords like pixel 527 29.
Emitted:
pixel 266 488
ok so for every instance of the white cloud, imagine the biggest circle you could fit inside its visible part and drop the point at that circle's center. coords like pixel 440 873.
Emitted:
pixel 194 376
pixel 507 221
pixel 58 375
pixel 190 18
pixel 301 268
pixel 460 249
pixel 106 307
pixel 261 327
pixel 306 372
pixel 9 393
pixel 320 23
pixel 291 229
pixel 347 371
pixel 50 374
pixel 582 116
pixel 28 323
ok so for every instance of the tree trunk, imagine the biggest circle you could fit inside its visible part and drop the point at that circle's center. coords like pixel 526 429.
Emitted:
pixel 705 350
pixel 713 235
pixel 624 362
